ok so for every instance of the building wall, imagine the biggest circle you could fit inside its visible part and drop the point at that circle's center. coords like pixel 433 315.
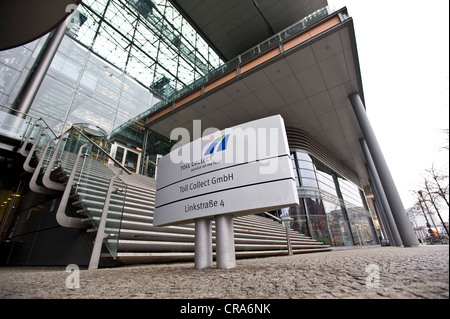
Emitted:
pixel 79 87
pixel 332 209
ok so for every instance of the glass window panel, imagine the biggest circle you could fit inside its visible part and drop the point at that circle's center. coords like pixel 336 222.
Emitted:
pixel 294 166
pixel 303 156
pixel 144 36
pixel 136 90
pixel 141 66
pixel 300 220
pixel 307 173
pixel 308 182
pixel 32 45
pixel 350 192
pixel 325 178
pixel 362 227
pixel 69 49
pixel 131 106
pixel 101 81
pixel 15 58
pixel 120 20
pixel 88 110
pixel 96 5
pixel 87 31
pixel 53 98
pixel 65 70
pixel 187 74
pixel 8 79
pixel 305 164
pixel 120 119
pixel 111 45
pixel 318 224
pixel 161 33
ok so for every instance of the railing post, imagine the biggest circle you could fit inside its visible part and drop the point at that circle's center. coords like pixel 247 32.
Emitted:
pixel 23 149
pixel 26 164
pixel 61 216
pixel 33 181
pixel 288 237
pixel 101 235
pixel 46 178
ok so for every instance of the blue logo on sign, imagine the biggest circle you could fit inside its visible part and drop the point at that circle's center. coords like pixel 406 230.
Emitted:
pixel 221 144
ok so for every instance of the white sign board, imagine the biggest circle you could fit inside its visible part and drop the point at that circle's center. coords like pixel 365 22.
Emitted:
pixel 241 170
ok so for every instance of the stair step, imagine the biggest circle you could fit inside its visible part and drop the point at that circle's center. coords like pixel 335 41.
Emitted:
pixel 132 211
pixel 159 245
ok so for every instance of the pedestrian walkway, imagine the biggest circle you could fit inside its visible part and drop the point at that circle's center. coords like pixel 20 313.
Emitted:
pixel 378 272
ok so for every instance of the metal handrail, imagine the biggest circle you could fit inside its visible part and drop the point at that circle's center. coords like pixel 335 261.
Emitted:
pixel 31 116
pixel 72 127
pixel 288 237
pixel 101 149
pixel 273 216
pixel 61 217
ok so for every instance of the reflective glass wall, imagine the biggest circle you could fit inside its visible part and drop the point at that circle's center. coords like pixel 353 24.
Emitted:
pixel 81 87
pixel 149 39
pixel 332 209
pixel 118 59
pixel 15 65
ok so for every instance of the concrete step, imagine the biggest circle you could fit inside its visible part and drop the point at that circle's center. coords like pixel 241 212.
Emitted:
pixel 130 218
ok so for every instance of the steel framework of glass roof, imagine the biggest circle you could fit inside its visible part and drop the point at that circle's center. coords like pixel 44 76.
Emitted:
pixel 148 39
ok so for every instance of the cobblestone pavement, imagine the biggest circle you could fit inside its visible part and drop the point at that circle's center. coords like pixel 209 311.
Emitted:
pixel 379 272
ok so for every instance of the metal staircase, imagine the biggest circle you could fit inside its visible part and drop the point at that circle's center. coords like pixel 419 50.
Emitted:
pixel 74 165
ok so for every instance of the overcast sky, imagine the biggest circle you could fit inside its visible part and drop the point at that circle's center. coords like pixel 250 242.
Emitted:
pixel 403 48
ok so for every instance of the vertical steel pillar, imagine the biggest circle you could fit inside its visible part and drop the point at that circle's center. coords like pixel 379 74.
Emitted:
pixel 203 243
pixel 225 253
pixel 405 230
pixel 381 213
pixel 396 239
pixel 33 84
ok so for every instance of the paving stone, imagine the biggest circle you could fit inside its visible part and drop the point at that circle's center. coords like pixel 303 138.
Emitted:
pixel 406 273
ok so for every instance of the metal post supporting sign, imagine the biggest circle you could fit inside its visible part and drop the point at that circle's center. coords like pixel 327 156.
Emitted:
pixel 241 170
pixel 203 243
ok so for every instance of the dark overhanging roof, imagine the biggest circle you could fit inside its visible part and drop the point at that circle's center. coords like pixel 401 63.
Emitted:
pixel 232 27
pixel 22 21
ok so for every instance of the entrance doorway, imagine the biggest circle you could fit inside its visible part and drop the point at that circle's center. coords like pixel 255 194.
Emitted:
pixel 128 157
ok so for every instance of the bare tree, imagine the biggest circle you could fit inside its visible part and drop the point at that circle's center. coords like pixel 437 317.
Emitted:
pixel 435 190
pixel 439 184
pixel 445 147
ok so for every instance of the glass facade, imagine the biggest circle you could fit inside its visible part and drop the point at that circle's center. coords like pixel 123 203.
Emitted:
pixel 332 209
pixel 148 39
pixel 117 60
pixel 80 87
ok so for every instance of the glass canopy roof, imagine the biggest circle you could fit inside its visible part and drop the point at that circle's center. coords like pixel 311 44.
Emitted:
pixel 148 39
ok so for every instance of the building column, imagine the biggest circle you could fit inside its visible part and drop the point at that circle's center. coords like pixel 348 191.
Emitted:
pixel 405 230
pixel 381 198
pixel 33 83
